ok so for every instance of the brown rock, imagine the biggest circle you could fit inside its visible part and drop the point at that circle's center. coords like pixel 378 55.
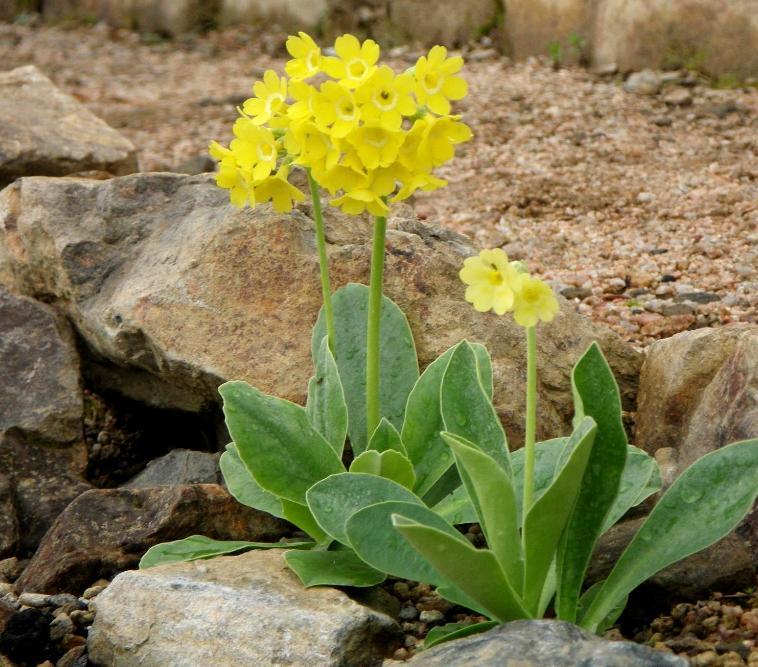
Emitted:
pixel 40 392
pixel 302 15
pixel 105 531
pixel 47 132
pixel 451 23
pixel 179 291
pixel 9 535
pixel 715 36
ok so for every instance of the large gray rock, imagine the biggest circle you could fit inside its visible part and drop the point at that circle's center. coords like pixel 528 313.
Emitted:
pixel 303 15
pixel 450 22
pixel 715 36
pixel 178 291
pixel 106 531
pixel 542 644
pixel 179 466
pixel 43 131
pixel 8 518
pixel 240 610
pixel 40 392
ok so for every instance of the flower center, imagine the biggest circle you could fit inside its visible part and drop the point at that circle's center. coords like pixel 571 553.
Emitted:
pixel 386 100
pixel 266 152
pixel 312 60
pixel 496 278
pixel 432 82
pixel 346 110
pixel 274 102
pixel 376 138
pixel 356 69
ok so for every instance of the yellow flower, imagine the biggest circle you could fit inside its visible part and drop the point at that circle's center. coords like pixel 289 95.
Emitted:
pixel 254 148
pixel 492 281
pixel 311 146
pixel 339 177
pixel 356 202
pixel 335 106
pixel 270 98
pixel 386 98
pixel 306 56
pixel 304 96
pixel 435 80
pixel 438 138
pixel 278 190
pixel 355 62
pixel 376 146
pixel 534 301
pixel 417 181
pixel 231 177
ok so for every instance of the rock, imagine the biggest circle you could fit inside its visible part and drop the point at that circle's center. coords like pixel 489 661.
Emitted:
pixel 574 292
pixel 669 309
pixel 647 82
pixel 41 389
pixel 240 610
pixel 26 637
pixel 698 297
pixel 45 478
pixel 176 291
pixel 46 132
pixel 197 164
pixel 678 97
pixel 714 36
pixel 9 534
pixel 105 531
pixel 452 23
pixel 303 15
pixel 179 466
pixel 544 643
pixel 699 391
pixel 532 26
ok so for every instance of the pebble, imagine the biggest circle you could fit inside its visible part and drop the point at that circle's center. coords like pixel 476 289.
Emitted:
pixel 432 616
pixel 698 297
pixel 80 617
pixel 672 309
pixel 645 197
pixel 646 83
pixel 573 292
pixel 679 97
pixel 408 613
pixel 61 626
pixel 36 600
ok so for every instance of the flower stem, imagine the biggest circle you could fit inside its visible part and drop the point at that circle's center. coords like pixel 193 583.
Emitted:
pixel 531 419
pixel 374 321
pixel 323 261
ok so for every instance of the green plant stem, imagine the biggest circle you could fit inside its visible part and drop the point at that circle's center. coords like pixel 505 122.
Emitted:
pixel 374 321
pixel 323 261
pixel 531 419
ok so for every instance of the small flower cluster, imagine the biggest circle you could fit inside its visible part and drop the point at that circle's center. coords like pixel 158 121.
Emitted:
pixel 364 131
pixel 496 284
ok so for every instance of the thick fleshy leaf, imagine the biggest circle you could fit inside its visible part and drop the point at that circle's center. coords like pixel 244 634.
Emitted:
pixel 473 571
pixel 326 407
pixel 301 516
pixel 197 547
pixel 445 633
pixel 390 464
pixel 588 597
pixel 641 478
pixel 335 499
pixel 595 395
pixel 423 422
pixel 546 458
pixel 484 368
pixel 548 516
pixel 398 364
pixel 466 409
pixel 276 442
pixel 243 486
pixel 332 568
pixel 491 492
pixel 386 437
pixel 457 508
pixel 374 538
pixel 704 504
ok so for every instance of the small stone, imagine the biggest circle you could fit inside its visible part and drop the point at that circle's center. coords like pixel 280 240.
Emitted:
pixel 662 121
pixel 70 657
pixel 64 600
pixel 698 297
pixel 94 591
pixel 60 627
pixel 679 97
pixel 669 309
pixel 616 286
pixel 82 618
pixel 402 590
pixel 10 568
pixel 408 613
pixel 705 659
pixel 432 616
pixel 573 292
pixel 646 83
pixel 36 600
pixel 645 197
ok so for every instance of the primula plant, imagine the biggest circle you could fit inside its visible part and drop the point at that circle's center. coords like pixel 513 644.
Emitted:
pixel 383 463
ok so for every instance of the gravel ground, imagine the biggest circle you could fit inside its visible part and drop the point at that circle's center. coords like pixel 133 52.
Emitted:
pixel 642 209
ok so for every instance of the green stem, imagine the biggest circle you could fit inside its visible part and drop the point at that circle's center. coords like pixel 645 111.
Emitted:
pixel 374 320
pixel 323 261
pixel 531 419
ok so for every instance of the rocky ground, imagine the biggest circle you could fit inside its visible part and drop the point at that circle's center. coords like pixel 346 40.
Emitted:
pixel 641 204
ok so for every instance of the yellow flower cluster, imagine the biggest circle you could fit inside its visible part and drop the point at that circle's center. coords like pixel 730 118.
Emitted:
pixel 496 284
pixel 366 134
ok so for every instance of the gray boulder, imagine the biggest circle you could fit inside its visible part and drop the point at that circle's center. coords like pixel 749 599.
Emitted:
pixel 179 466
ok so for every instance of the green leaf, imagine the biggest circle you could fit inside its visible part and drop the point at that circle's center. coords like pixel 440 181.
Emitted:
pixel 374 538
pixel 335 499
pixel 546 458
pixel 588 597
pixel 466 409
pixel 704 504
pixel 390 464
pixel 423 422
pixel 641 478
pixel 491 493
pixel 457 508
pixel 484 368
pixel 473 571
pixel 450 631
pixel 398 364
pixel 243 486
pixel 197 547
pixel 595 395
pixel 301 516
pixel 548 516
pixel 386 437
pixel 326 406
pixel 332 568
pixel 276 442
